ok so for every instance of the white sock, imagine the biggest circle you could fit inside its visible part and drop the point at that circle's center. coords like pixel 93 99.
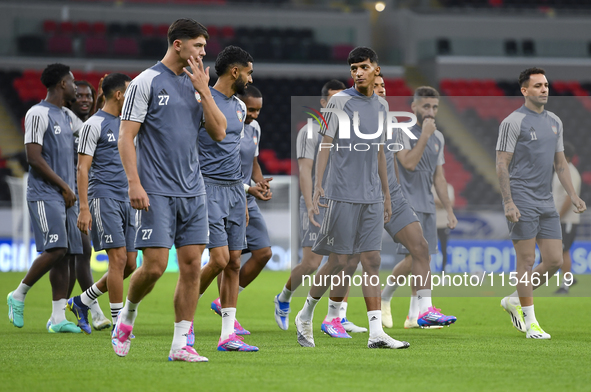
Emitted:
pixel 115 309
pixel 179 339
pixel 333 310
pixel 424 299
pixel 343 310
pixel 413 310
pixel 514 298
pixel 529 316
pixel 240 288
pixel 375 323
pixel 58 312
pixel 228 318
pixel 90 295
pixel 388 292
pixel 129 313
pixel 307 313
pixel 285 295
pixel 21 292
pixel 96 311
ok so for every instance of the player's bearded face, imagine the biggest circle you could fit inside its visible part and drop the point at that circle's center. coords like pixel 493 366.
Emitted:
pixel 537 89
pixel 240 85
pixel 425 108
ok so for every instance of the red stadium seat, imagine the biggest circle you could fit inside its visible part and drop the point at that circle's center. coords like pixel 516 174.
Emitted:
pixel 228 32
pixel 125 47
pixel 96 46
pixel 213 31
pixel 147 30
pixel 162 30
pixel 60 44
pixel 82 28
pixel 66 28
pixel 49 27
pixel 99 28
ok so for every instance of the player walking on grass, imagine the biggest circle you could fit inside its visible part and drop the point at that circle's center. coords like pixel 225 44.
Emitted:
pixel 421 165
pixel 307 151
pixel 105 211
pixel 83 108
pixel 257 237
pixel 530 143
pixel 357 197
pixel 226 200
pixel 49 137
pixel 164 107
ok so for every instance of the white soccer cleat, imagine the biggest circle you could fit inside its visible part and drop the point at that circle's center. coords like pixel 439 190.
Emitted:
pixel 387 315
pixel 515 312
pixel 350 327
pixel 304 332
pixel 186 354
pixel 100 322
pixel 536 332
pixel 385 341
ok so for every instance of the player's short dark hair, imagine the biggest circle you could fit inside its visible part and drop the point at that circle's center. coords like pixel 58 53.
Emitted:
pixel 569 150
pixel 251 92
pixel 114 82
pixel 381 75
pixel 362 53
pixel 332 85
pixel 186 29
pixel 53 74
pixel 426 92
pixel 525 74
pixel 231 55
pixel 84 83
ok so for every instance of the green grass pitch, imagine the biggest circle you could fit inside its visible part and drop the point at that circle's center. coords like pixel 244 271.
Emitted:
pixel 481 352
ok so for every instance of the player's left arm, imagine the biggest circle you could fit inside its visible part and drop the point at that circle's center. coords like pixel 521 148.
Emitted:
pixel 563 173
pixel 257 175
pixel 441 189
pixel 383 173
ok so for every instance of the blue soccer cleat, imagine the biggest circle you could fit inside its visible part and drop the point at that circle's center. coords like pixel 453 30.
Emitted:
pixel 16 311
pixel 282 311
pixel 434 316
pixel 81 312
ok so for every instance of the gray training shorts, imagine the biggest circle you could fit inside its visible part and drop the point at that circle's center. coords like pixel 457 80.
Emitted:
pixel 350 228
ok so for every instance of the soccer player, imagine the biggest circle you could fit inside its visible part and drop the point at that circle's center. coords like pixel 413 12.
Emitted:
pixel 83 108
pixel 569 221
pixel 307 151
pixel 357 197
pixel 108 216
pixel 257 237
pixel 421 166
pixel 530 143
pixel 226 200
pixel 49 137
pixel 164 107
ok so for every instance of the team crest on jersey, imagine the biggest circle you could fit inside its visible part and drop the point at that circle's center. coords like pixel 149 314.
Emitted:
pixel 239 114
pixel 554 129
pixel 436 147
pixel 57 130
pixel 255 140
pixel 197 96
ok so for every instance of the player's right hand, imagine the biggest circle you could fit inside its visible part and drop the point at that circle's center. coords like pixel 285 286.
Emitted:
pixel 69 197
pixel 200 75
pixel 511 212
pixel 138 197
pixel 84 220
pixel 429 126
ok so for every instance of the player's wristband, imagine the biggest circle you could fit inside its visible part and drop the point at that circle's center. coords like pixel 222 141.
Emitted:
pixel 246 188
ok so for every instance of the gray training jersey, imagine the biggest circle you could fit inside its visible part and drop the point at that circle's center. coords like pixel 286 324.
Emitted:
pixel 533 139
pixel 353 172
pixel 249 149
pixel 170 112
pixel 221 160
pixel 416 185
pixel 393 184
pixel 98 139
pixel 53 128
pixel 307 147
